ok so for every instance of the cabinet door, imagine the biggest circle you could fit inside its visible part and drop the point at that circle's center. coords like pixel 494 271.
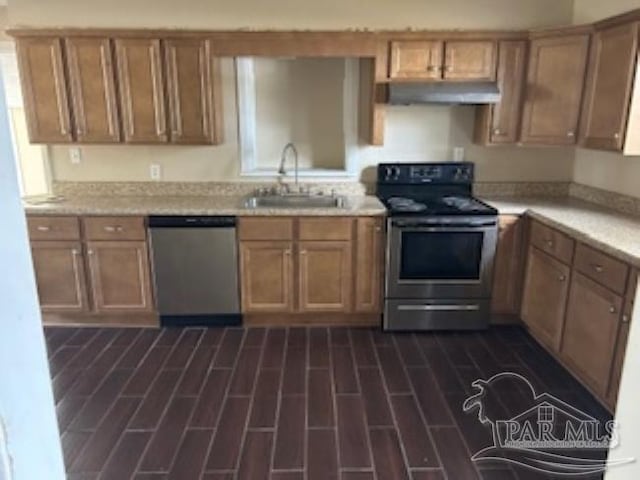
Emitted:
pixel 141 85
pixel 60 276
pixel 507 267
pixel 369 264
pixel 325 276
pixel 470 60
pixel 545 297
pixel 416 60
pixel 607 97
pixel 120 274
pixel 266 276
pixel 591 332
pixel 44 89
pixel 554 89
pixel 93 92
pixel 192 83
pixel 505 116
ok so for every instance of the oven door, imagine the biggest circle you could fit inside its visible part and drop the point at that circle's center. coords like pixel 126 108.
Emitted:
pixel 445 257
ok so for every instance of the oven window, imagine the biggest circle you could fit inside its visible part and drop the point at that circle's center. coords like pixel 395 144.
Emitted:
pixel 440 255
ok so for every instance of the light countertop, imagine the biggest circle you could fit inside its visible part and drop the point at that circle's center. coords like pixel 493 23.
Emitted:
pixel 615 233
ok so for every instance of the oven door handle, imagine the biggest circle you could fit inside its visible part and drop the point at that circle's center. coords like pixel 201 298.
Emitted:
pixel 438 308
pixel 440 226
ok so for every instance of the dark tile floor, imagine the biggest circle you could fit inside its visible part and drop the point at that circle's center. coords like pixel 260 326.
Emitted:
pixel 286 404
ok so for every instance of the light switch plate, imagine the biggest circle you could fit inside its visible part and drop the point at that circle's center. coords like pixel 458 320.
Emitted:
pixel 155 171
pixel 75 155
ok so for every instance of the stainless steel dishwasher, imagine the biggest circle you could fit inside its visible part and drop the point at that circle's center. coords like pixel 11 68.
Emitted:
pixel 195 270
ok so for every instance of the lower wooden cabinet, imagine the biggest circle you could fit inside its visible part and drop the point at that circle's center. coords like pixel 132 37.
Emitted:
pixel 325 278
pixel 591 332
pixel 507 268
pixel 267 276
pixel 545 297
pixel 312 265
pixel 60 276
pixel 119 273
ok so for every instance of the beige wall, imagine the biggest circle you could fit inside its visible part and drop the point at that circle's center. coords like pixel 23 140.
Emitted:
pixel 293 14
pixel 4 21
pixel 412 133
pixel 605 170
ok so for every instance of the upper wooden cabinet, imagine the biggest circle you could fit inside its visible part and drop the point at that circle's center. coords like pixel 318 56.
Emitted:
pixel 192 92
pixel 93 91
pixel 44 89
pixel 442 60
pixel 500 123
pixel 609 90
pixel 554 87
pixel 141 81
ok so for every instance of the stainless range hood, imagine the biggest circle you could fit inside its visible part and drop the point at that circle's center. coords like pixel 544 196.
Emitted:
pixel 472 93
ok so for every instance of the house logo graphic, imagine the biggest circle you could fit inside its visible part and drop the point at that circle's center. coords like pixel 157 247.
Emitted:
pixel 549 435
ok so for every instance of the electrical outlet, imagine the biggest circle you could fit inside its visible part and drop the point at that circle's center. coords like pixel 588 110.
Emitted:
pixel 155 171
pixel 458 154
pixel 75 155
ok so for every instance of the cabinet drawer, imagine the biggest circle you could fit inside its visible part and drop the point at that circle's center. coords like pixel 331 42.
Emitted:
pixel 553 242
pixel 53 228
pixel 603 269
pixel 114 228
pixel 325 228
pixel 265 228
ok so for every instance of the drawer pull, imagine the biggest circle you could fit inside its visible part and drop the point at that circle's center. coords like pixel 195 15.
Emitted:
pixel 43 228
pixel 111 229
pixel 571 134
pixel 287 252
pixel 303 252
pixel 597 268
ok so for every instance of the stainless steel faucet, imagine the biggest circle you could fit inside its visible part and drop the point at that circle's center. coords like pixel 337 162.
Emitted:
pixel 283 159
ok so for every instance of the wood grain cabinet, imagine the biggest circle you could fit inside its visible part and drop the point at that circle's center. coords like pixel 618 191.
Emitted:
pixel 92 88
pixel 507 268
pixel 555 80
pixel 325 276
pixel 369 264
pixel 591 332
pixel 609 90
pixel 142 90
pixel 266 276
pixel 119 274
pixel 44 88
pixel 193 91
pixel 499 124
pixel 60 276
pixel 545 295
pixel 443 60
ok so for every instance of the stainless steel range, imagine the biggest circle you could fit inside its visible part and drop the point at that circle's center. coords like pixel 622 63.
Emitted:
pixel 441 245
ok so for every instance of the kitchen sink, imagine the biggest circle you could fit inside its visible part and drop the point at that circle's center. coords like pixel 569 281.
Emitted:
pixel 295 201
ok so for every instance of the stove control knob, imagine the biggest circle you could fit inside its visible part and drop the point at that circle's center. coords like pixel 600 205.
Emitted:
pixel 462 173
pixel 396 172
pixel 388 173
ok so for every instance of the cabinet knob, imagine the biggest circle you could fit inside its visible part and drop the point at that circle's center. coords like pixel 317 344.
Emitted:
pixel 90 252
pixel 616 136
pixel 303 252
pixel 597 268
pixel 75 252
pixel 287 252
pixel 562 278
pixel 612 309
pixel 378 229
pixel 549 243
pixel 497 131
pixel 625 318
pixel 571 134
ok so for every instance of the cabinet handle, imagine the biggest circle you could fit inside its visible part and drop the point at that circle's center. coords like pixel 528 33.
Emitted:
pixel 570 134
pixel 497 131
pixel 75 252
pixel 43 228
pixel 303 252
pixel 562 278
pixel 613 309
pixel 597 268
pixel 287 252
pixel 116 228
pixel 625 318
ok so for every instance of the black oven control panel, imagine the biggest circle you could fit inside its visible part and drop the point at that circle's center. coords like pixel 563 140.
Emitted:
pixel 421 173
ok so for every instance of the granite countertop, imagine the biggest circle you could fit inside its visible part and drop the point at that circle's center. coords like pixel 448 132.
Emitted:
pixel 615 233
pixel 357 205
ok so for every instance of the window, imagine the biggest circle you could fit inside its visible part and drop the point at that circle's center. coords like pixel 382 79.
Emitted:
pixel 545 414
